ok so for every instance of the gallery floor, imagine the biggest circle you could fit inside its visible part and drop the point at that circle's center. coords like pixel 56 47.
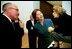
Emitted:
pixel 25 43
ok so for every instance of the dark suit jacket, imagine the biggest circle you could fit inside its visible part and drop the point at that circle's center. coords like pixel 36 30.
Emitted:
pixel 28 26
pixel 31 34
pixel 20 32
pixel 8 34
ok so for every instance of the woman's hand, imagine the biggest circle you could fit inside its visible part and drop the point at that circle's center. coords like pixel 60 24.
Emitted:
pixel 50 29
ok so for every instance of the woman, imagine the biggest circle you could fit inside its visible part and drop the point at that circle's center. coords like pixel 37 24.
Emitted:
pixel 44 38
pixel 62 23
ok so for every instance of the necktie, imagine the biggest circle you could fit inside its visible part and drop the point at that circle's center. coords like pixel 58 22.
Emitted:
pixel 13 25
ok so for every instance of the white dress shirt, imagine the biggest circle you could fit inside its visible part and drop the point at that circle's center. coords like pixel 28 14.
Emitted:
pixel 7 17
pixel 32 23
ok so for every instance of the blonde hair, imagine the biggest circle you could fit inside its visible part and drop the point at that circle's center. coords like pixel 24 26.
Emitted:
pixel 58 9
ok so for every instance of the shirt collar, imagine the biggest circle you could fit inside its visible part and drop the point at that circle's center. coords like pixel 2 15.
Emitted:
pixel 7 17
pixel 32 23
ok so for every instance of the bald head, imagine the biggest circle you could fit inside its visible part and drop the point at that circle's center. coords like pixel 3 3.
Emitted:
pixel 11 10
pixel 7 6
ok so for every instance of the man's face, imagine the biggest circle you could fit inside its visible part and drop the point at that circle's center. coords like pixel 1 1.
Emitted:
pixel 13 12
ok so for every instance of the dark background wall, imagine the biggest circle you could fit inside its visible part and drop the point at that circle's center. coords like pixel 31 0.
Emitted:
pixel 46 8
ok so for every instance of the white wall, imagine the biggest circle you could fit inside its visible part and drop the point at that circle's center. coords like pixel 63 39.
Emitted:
pixel 36 4
pixel 67 6
pixel 25 9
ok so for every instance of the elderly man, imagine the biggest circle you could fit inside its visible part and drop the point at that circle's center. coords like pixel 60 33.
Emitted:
pixel 8 32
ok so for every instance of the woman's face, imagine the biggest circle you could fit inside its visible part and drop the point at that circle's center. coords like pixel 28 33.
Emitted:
pixel 57 10
pixel 39 16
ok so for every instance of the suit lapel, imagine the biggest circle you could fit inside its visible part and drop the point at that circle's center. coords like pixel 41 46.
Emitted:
pixel 6 20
